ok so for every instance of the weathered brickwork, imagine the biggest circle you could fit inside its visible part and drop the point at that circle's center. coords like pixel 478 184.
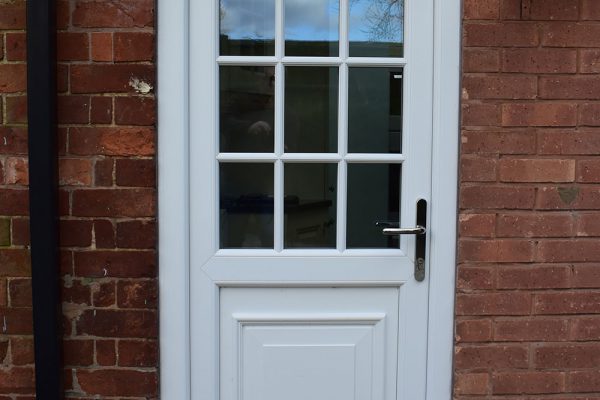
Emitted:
pixel 528 283
pixel 107 137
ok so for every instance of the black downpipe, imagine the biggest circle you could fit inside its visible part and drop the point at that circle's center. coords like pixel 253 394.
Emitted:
pixel 43 199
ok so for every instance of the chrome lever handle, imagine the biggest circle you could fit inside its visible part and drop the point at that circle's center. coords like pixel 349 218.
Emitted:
pixel 418 230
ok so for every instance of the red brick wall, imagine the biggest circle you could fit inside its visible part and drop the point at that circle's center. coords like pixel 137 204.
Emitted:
pixel 107 200
pixel 528 284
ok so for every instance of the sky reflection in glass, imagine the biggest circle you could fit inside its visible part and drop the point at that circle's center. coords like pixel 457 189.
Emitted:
pixel 311 27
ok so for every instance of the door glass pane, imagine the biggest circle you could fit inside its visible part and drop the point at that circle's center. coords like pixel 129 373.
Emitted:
pixel 247 27
pixel 311 106
pixel 311 27
pixel 246 205
pixel 374 110
pixel 373 196
pixel 246 109
pixel 376 28
pixel 310 205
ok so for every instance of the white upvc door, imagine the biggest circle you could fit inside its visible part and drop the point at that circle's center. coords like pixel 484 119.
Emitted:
pixel 311 129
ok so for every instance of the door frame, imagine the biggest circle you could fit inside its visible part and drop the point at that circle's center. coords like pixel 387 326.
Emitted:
pixel 174 206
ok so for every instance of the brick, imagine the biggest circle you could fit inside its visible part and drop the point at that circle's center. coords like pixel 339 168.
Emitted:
pixel 118 382
pixel 476 225
pixel 478 169
pixel 567 356
pixel 114 14
pixel 4 232
pixel 20 231
pixel 567 34
pixel 109 78
pixel 502 197
pixel 534 277
pixel 590 10
pixel 15 263
pixel 102 46
pixel 14 140
pixel 104 294
pixel 62 14
pixel 539 114
pixel 75 172
pixel 481 9
pixel 499 303
pixel 585 328
pixel 505 142
pixel 103 172
pixel 480 114
pixel 528 382
pixel 104 232
pixel 112 141
pixel 62 78
pixel 114 203
pixel 76 292
pixel 106 354
pixel 589 61
pixel 480 60
pixel 137 294
pixel 471 384
pixel 101 110
pixel 16 109
pixel 534 225
pixel 536 170
pixel 19 292
pixel 12 15
pixel 568 250
pixel 135 111
pixel 118 323
pixel 510 9
pixel 474 330
pixel 569 87
pixel 584 381
pixel 486 356
pixel 538 61
pixel 588 224
pixel 551 142
pixel 508 34
pixel 73 109
pixel 129 264
pixel 568 198
pixel 134 353
pixel 579 302
pixel 549 10
pixel 16 46
pixel 75 233
pixel 469 278
pixel 499 250
pixel 140 173
pixel 134 46
pixel 136 234
pixel 16 321
pixel 78 352
pixel 3 350
pixel 16 171
pixel 22 350
pixel 72 46
pixel 17 380
pixel 13 78
pixel 589 114
pixel 586 276
pixel 531 330
pixel 499 87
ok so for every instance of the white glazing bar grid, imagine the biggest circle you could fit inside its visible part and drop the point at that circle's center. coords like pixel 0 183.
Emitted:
pixel 279 157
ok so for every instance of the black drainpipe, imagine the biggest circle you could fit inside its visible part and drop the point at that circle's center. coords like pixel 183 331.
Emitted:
pixel 43 182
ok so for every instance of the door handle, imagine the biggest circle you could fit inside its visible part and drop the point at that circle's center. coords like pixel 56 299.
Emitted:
pixel 420 230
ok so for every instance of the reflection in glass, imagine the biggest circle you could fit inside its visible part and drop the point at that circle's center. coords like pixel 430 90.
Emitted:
pixel 373 196
pixel 376 28
pixel 310 205
pixel 247 27
pixel 311 27
pixel 374 110
pixel 311 106
pixel 246 205
pixel 246 109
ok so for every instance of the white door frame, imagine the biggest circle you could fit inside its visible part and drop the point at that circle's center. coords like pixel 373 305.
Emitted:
pixel 174 211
